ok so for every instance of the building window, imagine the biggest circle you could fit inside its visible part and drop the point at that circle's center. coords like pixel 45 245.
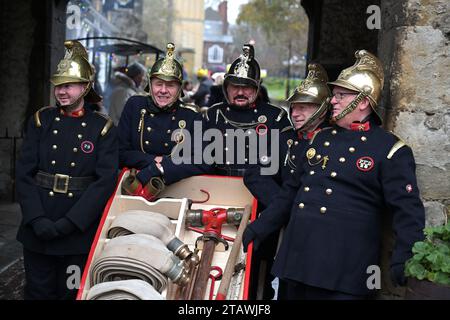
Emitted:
pixel 215 54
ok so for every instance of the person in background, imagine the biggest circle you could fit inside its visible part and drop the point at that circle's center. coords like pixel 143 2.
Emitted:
pixel 126 85
pixel 201 95
pixel 216 95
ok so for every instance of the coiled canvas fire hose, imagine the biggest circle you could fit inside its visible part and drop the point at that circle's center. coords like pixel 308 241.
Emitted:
pixel 124 290
pixel 138 256
pixel 154 224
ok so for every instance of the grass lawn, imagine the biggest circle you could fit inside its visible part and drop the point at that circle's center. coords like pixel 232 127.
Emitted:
pixel 277 87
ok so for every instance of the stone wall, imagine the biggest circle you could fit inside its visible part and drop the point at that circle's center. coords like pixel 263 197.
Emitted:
pixel 31 37
pixel 414 46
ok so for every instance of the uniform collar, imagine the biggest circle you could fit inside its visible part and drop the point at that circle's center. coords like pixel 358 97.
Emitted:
pixel 360 126
pixel 74 114
pixel 308 135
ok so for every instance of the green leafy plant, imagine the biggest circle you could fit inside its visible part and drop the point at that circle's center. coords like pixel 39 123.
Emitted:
pixel 431 259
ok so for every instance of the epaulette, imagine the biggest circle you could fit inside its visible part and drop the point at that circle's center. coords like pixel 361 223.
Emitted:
pixel 108 125
pixel 282 113
pixel 37 116
pixel 317 132
pixel 397 146
pixel 190 106
pixel 287 129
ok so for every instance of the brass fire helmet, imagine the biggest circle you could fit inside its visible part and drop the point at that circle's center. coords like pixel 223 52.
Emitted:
pixel 244 71
pixel 167 69
pixel 75 68
pixel 313 89
pixel 366 77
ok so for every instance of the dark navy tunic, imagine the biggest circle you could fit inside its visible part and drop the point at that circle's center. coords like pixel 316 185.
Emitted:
pixel 241 132
pixel 145 132
pixel 84 146
pixel 333 207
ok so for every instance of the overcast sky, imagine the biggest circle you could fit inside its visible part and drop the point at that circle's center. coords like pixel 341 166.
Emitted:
pixel 233 9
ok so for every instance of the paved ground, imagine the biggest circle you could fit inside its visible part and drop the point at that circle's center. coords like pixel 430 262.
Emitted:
pixel 11 263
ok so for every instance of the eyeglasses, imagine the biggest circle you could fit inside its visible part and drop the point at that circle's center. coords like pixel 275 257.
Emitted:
pixel 339 95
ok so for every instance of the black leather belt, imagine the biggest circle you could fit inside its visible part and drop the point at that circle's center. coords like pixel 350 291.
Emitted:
pixel 228 171
pixel 62 183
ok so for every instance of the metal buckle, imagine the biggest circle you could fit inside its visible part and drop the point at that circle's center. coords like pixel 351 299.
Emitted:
pixel 66 183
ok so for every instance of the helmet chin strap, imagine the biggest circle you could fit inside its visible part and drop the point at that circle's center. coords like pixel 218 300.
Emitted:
pixel 312 122
pixel 72 106
pixel 351 106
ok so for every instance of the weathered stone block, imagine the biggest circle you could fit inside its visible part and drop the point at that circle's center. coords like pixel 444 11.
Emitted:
pixel 435 214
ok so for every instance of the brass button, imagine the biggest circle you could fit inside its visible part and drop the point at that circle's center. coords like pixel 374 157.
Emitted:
pixel 70 194
pixel 306 189
pixel 292 171
pixel 51 193
pixel 58 119
pixel 363 139
pixel 147 142
pixel 83 124
pixel 329 191
pixel 301 205
pixel 318 157
pixel 166 144
pixel 169 131
pixel 333 132
pixel 53 162
pixel 149 129
pixel 80 136
pixel 72 164
pixel 55 131
pixel 326 144
pixel 75 150
pixel 152 115
pixel 351 149
pixel 311 172
pixel 323 210
pixel 342 159
pixel 255 111
pixel 54 147
pixel 333 174
pixel 228 108
pixel 173 118
pixel 296 143
pixel 293 157
pixel 226 148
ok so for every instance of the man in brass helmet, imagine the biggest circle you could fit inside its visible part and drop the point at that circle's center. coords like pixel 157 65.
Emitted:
pixel 350 175
pixel 243 111
pixel 65 174
pixel 308 107
pixel 249 129
pixel 153 127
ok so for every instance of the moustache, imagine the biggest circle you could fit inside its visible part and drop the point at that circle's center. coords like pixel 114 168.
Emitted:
pixel 240 97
